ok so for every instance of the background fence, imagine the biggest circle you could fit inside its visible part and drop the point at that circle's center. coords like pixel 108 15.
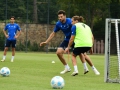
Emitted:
pixel 38 17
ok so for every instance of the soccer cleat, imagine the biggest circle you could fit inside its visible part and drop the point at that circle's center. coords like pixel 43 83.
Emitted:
pixel 74 73
pixel 2 60
pixel 96 72
pixel 65 71
pixel 86 71
pixel 11 60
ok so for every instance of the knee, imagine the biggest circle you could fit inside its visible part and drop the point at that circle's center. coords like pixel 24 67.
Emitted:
pixel 6 49
pixel 58 52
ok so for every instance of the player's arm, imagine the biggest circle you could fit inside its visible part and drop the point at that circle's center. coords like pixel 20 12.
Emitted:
pixel 18 34
pixel 71 41
pixel 91 50
pixel 49 39
pixel 51 35
pixel 6 35
pixel 18 31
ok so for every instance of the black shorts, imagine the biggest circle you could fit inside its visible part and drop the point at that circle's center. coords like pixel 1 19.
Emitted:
pixel 79 50
pixel 10 42
pixel 64 44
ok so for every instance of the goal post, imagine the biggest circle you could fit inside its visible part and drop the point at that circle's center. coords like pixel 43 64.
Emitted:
pixel 112 51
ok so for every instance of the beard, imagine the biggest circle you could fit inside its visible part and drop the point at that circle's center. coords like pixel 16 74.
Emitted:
pixel 62 21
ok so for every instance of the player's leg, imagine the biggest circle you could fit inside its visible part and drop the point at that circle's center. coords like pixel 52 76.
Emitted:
pixel 82 58
pixel 87 58
pixel 60 52
pixel 13 50
pixel 79 51
pixel 74 61
pixel 5 50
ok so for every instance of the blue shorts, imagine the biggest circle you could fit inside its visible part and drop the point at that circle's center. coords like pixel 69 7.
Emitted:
pixel 79 50
pixel 10 42
pixel 64 44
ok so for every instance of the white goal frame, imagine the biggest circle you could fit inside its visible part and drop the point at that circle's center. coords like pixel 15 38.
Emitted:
pixel 108 23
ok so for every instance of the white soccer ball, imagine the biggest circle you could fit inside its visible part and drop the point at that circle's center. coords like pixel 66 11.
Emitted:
pixel 5 71
pixel 57 82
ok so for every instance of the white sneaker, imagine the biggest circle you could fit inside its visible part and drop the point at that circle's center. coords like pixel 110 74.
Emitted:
pixel 74 73
pixel 65 71
pixel 11 60
pixel 2 60
pixel 86 71
pixel 96 72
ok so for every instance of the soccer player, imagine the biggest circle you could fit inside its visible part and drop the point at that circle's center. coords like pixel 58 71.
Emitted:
pixel 11 36
pixel 83 39
pixel 64 24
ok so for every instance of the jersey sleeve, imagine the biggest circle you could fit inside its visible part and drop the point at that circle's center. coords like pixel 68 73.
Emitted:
pixel 56 28
pixel 18 27
pixel 73 30
pixel 6 27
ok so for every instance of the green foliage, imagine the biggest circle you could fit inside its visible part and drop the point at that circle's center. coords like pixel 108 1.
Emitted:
pixel 2 40
pixel 34 47
pixel 30 46
pixel 20 46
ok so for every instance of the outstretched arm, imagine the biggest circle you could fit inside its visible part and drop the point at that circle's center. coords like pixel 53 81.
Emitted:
pixel 48 40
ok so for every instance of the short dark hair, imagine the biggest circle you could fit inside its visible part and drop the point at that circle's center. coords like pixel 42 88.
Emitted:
pixel 61 12
pixel 12 17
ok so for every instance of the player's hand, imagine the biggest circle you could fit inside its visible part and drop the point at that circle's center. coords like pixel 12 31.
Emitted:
pixel 91 51
pixel 43 43
pixel 66 50
pixel 16 36
pixel 6 36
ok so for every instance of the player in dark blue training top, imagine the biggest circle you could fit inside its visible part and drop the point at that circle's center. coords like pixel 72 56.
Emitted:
pixel 11 36
pixel 65 25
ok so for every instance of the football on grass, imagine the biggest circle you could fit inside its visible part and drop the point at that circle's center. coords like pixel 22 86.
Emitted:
pixel 57 82
pixel 5 71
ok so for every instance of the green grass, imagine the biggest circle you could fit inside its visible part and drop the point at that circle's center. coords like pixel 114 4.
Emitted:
pixel 34 71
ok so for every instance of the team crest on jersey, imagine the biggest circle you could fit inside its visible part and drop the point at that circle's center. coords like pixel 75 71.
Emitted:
pixel 64 26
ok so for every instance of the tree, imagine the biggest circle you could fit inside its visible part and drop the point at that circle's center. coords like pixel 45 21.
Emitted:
pixel 35 15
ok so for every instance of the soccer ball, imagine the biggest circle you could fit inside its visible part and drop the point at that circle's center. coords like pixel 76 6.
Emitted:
pixel 5 71
pixel 57 82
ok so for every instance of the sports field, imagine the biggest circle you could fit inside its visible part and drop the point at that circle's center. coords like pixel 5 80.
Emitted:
pixel 34 71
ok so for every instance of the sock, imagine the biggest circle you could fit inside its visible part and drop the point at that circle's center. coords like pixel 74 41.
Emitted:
pixel 4 57
pixel 12 58
pixel 93 67
pixel 67 66
pixel 85 66
pixel 75 68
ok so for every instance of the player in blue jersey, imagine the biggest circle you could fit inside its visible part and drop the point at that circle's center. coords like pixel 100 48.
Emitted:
pixel 64 24
pixel 11 37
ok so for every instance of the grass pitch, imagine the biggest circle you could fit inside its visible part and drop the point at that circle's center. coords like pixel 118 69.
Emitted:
pixel 34 71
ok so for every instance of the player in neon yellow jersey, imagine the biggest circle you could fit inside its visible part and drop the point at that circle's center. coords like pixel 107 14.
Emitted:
pixel 83 39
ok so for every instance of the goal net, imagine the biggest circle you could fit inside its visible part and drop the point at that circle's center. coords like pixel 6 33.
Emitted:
pixel 112 51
